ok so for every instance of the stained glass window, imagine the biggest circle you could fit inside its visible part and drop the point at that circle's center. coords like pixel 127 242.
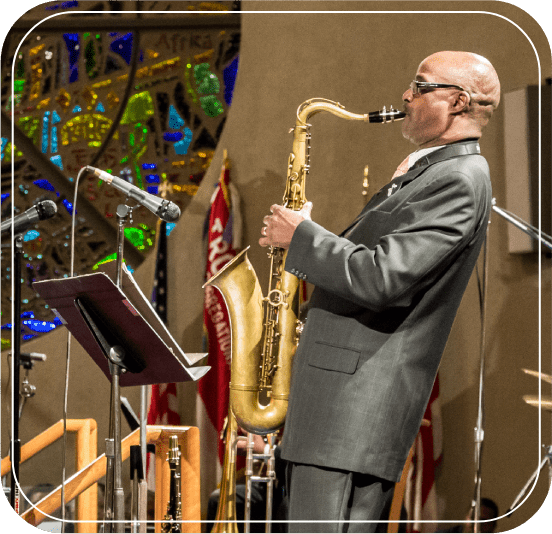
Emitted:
pixel 146 101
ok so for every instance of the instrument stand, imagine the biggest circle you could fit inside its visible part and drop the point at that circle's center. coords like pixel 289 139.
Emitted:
pixel 15 450
pixel 479 432
pixel 546 460
pixel 546 240
pixel 269 478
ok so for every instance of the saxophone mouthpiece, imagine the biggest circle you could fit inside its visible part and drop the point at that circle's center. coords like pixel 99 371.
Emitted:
pixel 386 115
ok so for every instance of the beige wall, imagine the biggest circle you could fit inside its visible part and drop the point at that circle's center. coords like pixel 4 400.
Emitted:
pixel 364 61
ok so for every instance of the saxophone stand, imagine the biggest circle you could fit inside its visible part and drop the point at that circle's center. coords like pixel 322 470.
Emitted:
pixel 546 460
pixel 250 477
pixel 546 241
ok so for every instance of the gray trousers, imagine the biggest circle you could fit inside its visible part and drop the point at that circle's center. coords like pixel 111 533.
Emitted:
pixel 331 500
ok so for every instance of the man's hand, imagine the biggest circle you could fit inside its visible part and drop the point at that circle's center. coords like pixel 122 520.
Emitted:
pixel 280 226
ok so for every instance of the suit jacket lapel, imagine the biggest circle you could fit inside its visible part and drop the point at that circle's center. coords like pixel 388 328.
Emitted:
pixel 387 190
pixel 462 148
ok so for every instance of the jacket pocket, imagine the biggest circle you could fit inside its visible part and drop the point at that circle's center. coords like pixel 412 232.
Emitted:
pixel 332 358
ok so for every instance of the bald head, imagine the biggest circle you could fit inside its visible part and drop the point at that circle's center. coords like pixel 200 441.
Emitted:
pixel 471 71
pixel 461 92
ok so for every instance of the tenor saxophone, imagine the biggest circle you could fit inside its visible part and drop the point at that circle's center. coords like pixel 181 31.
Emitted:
pixel 265 330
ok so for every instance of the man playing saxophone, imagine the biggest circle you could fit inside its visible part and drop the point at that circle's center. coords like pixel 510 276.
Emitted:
pixel 386 292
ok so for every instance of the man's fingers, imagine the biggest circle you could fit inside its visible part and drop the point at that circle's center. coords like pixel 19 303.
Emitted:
pixel 306 210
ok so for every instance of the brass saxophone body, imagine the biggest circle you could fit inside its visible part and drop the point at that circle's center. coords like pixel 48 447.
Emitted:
pixel 226 518
pixel 264 330
pixel 174 507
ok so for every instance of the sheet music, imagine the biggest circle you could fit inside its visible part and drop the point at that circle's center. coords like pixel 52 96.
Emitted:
pixel 146 310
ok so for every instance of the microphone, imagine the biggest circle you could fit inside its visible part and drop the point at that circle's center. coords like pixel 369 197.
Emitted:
pixel 28 357
pixel 39 212
pixel 164 209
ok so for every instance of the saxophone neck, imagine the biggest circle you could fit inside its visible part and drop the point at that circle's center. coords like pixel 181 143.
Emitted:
pixel 299 163
pixel 315 105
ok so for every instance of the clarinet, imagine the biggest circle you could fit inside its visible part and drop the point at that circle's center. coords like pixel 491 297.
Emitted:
pixel 174 508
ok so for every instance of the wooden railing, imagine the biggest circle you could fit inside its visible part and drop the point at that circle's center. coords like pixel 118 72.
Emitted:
pixel 86 451
pixel 188 438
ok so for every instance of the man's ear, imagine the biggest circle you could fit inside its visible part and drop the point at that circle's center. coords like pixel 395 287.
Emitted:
pixel 461 102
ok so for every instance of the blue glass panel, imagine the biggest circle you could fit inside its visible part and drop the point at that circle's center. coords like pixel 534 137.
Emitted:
pixel 31 235
pixel 39 326
pixel 56 160
pixel 44 184
pixel 73 47
pixel 172 137
pixel 170 227
pixel 175 120
pixel 181 147
pixel 123 47
pixel 229 76
pixel 68 206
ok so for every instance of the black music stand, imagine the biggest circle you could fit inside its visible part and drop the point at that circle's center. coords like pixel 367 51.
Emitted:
pixel 125 319
pixel 124 336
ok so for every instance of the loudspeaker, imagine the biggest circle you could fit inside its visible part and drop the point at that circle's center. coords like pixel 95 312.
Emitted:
pixel 527 190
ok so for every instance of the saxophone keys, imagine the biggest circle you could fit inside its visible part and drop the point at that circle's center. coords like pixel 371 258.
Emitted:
pixel 276 298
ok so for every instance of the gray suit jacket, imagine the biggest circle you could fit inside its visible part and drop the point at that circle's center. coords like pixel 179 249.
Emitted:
pixel 386 294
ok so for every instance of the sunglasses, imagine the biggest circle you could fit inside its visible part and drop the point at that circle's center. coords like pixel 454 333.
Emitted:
pixel 418 87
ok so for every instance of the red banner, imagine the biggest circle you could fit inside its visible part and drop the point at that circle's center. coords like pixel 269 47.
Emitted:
pixel 213 388
pixel 163 408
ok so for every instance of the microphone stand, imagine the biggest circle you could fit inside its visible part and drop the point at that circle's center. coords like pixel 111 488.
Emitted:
pixel 27 389
pixel 16 359
pixel 546 240
pixel 524 226
pixel 114 492
pixel 479 431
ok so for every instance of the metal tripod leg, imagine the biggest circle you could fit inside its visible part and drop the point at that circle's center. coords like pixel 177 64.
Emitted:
pixel 547 459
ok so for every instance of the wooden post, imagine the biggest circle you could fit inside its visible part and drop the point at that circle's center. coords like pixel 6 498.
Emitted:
pixel 86 451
